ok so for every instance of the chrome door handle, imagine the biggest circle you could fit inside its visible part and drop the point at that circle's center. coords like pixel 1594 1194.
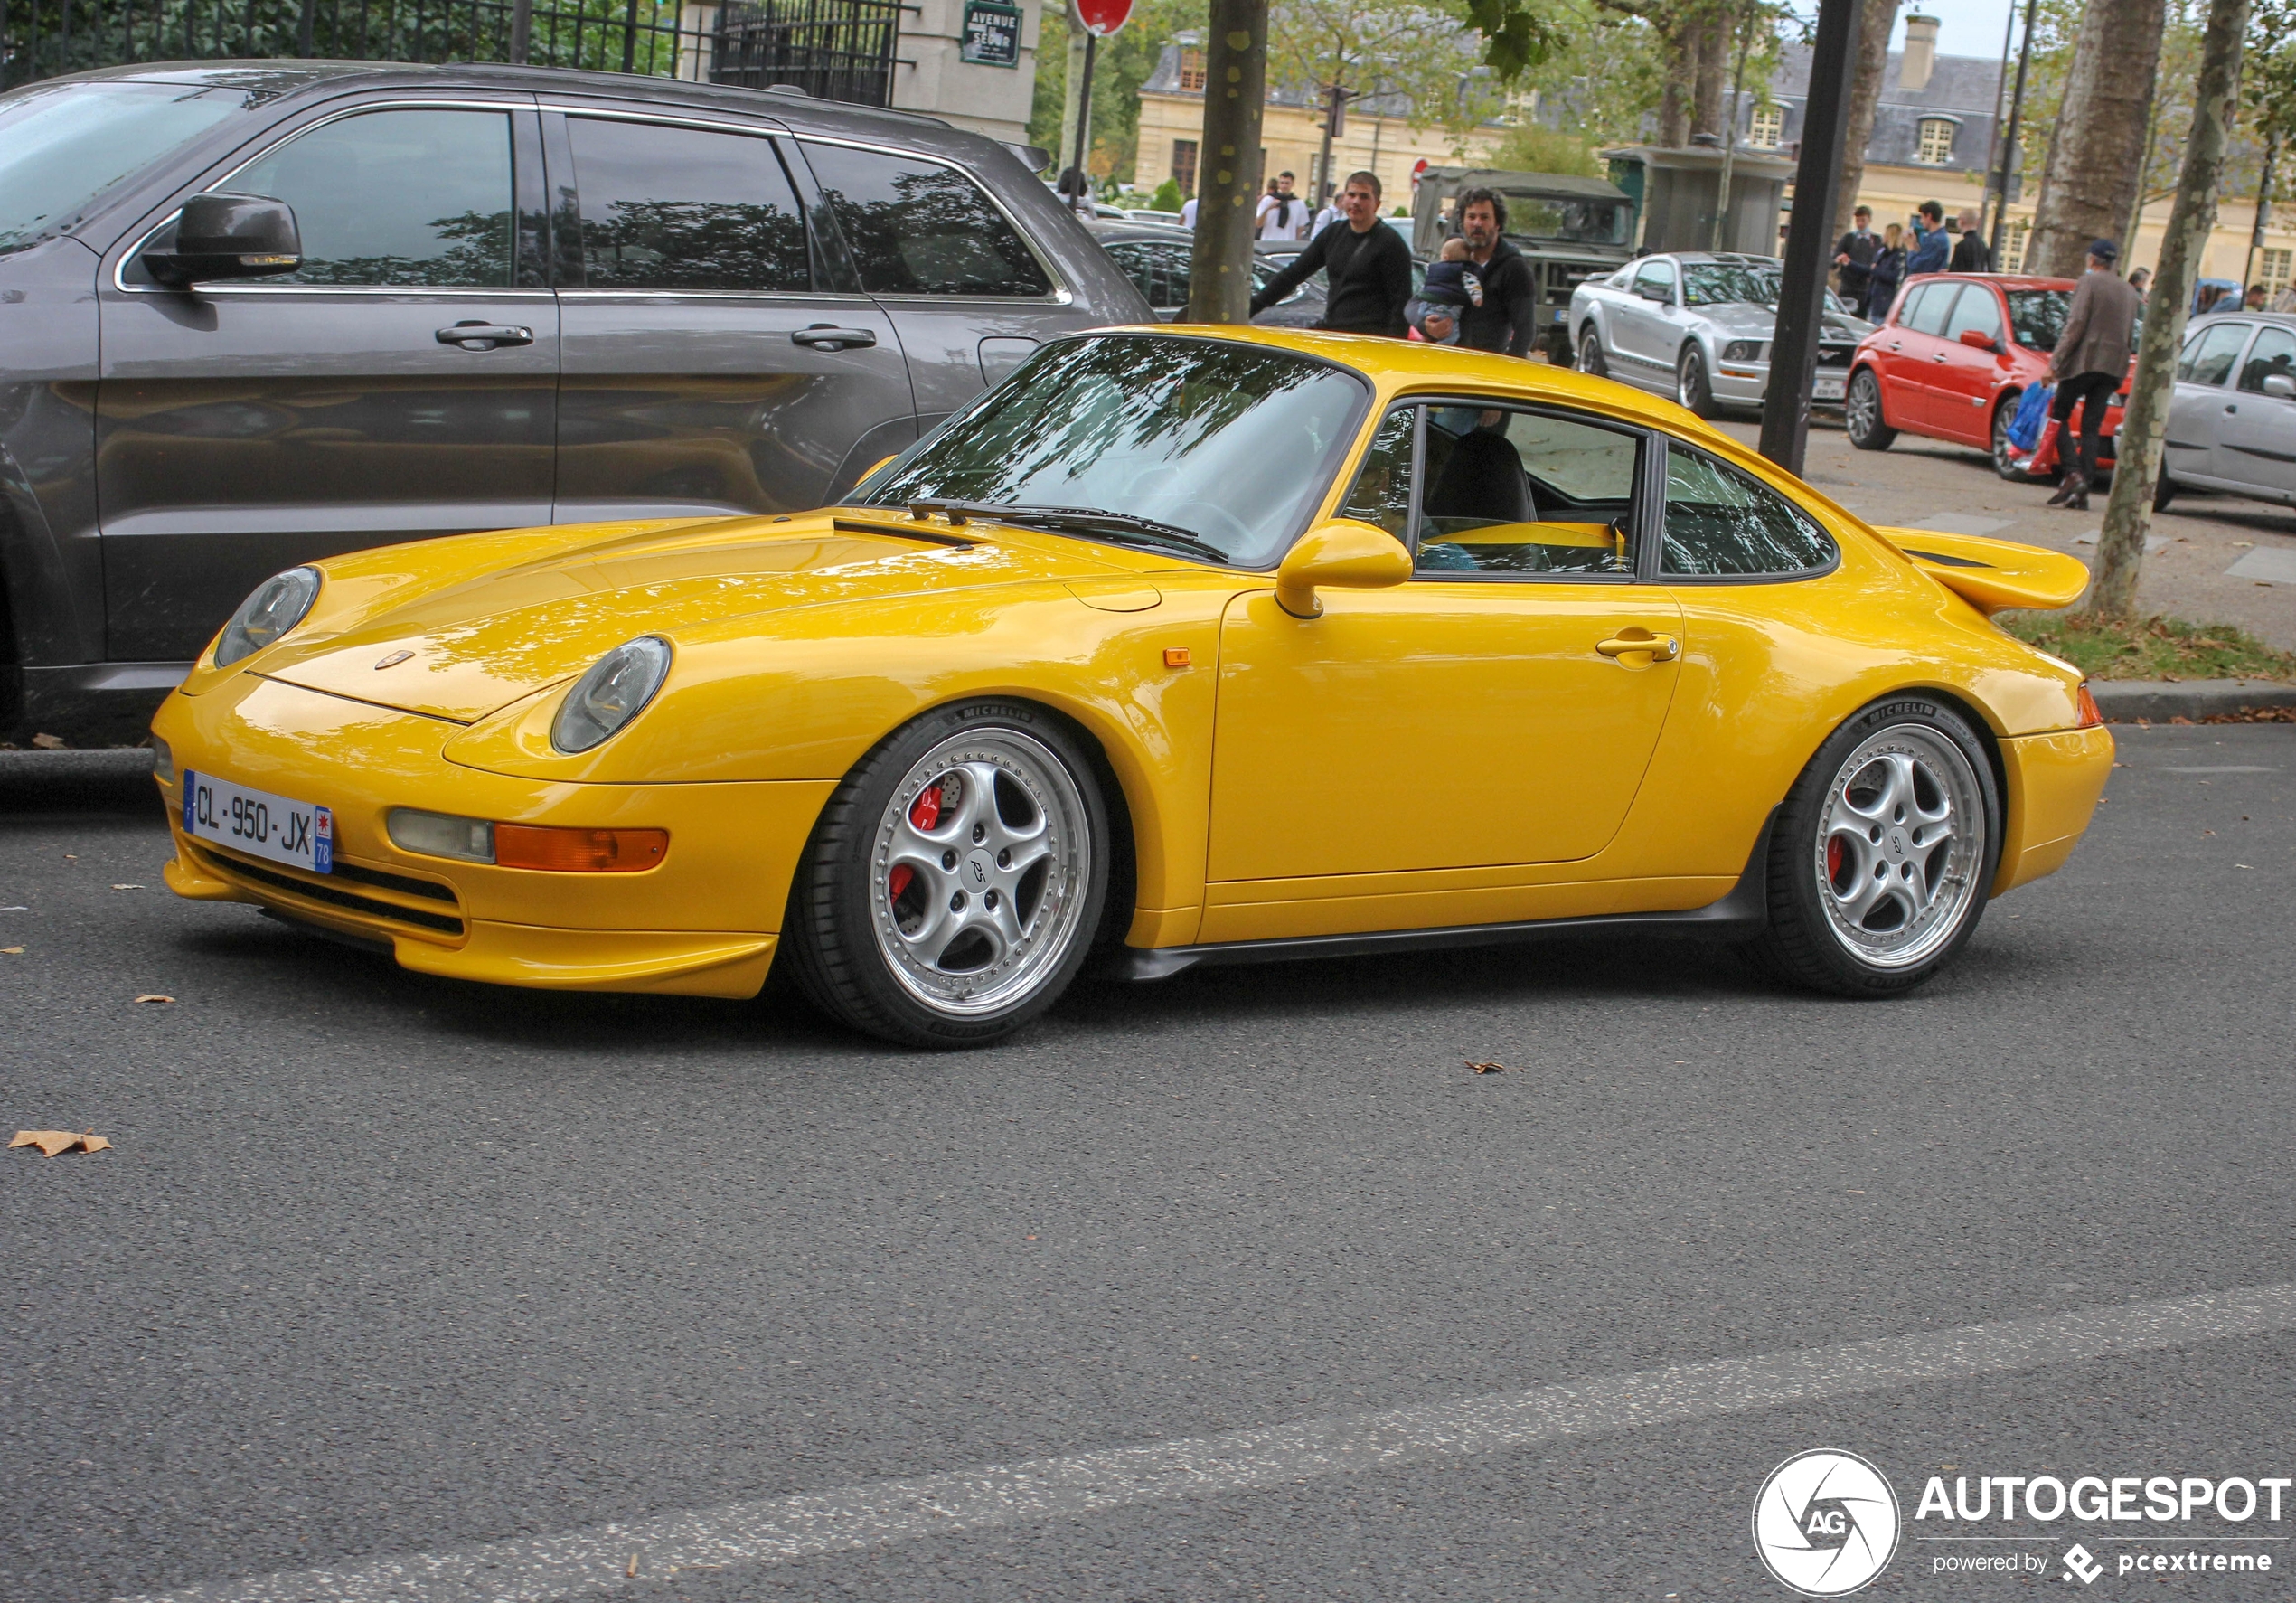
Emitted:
pixel 1937 356
pixel 1662 648
pixel 474 335
pixel 835 339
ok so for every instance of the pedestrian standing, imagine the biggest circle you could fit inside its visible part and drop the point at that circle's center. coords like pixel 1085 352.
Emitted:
pixel 2141 279
pixel 1853 256
pixel 1188 213
pixel 1502 316
pixel 1283 216
pixel 1888 273
pixel 2091 358
pixel 1365 261
pixel 1972 254
pixel 2257 296
pixel 1326 217
pixel 1933 246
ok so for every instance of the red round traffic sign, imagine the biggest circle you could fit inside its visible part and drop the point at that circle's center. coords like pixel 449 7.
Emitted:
pixel 1104 17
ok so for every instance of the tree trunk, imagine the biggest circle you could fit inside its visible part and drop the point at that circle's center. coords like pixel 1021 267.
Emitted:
pixel 2097 150
pixel 1228 166
pixel 1712 71
pixel 1878 21
pixel 1071 92
pixel 2137 449
pixel 1681 75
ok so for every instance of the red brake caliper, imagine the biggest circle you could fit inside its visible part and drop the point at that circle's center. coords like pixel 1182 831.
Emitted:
pixel 1833 858
pixel 924 813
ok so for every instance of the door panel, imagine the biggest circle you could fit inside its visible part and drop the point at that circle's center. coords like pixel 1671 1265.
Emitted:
pixel 1967 379
pixel 245 428
pixel 703 371
pixel 1440 724
pixel 2256 432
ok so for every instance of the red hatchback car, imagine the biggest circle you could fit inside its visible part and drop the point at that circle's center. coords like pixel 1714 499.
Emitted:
pixel 1955 353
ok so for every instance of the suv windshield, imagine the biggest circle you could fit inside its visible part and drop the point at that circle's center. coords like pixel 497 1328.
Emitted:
pixel 1545 217
pixel 1232 444
pixel 2036 317
pixel 62 145
pixel 1720 285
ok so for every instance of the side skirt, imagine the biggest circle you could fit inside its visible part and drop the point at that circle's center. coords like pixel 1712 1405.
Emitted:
pixel 1736 917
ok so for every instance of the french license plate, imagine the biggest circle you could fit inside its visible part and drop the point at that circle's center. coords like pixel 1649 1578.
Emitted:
pixel 1826 387
pixel 300 834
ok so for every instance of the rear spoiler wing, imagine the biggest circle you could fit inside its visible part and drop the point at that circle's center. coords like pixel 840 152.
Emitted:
pixel 1993 575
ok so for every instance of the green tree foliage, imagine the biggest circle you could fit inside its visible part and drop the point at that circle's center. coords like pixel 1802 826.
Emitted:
pixel 1121 64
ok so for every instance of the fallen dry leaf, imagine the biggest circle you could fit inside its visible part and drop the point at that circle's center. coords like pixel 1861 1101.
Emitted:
pixel 48 742
pixel 11 951
pixel 1486 1068
pixel 53 1142
pixel 154 996
pixel 127 887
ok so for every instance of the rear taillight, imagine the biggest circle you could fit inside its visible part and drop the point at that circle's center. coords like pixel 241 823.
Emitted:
pixel 2091 716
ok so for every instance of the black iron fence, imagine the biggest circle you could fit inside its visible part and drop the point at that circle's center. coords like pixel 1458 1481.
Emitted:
pixel 840 50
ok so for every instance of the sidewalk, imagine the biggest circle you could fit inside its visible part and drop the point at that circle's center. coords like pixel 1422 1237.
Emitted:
pixel 2211 559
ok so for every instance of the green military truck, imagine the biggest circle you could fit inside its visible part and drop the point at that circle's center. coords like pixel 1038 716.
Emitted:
pixel 1568 229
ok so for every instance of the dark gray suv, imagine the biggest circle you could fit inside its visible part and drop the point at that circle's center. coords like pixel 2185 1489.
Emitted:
pixel 451 298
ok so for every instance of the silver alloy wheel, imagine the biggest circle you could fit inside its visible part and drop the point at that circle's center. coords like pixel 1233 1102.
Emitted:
pixel 1900 844
pixel 1590 353
pixel 1862 411
pixel 1685 392
pixel 978 871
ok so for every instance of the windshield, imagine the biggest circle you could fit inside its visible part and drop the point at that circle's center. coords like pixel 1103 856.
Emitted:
pixel 1720 283
pixel 2036 317
pixel 1543 217
pixel 62 145
pixel 1233 444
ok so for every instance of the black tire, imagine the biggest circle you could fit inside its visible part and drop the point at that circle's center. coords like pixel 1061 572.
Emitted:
pixel 832 933
pixel 1590 353
pixel 1861 415
pixel 1808 940
pixel 2164 491
pixel 1692 387
pixel 2004 414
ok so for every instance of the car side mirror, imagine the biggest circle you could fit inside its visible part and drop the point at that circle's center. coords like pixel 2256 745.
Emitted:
pixel 1345 554
pixel 1652 292
pixel 227 236
pixel 1977 339
pixel 2280 384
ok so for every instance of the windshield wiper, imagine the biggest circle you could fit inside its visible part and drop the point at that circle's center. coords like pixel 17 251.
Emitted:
pixel 1071 520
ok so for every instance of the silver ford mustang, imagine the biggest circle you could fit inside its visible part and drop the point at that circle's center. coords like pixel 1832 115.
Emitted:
pixel 1698 327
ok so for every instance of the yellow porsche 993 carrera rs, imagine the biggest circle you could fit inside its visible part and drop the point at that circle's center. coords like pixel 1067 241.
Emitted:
pixel 1180 646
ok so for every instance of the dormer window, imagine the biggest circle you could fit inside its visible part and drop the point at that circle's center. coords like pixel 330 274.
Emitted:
pixel 1936 146
pixel 1192 70
pixel 1768 126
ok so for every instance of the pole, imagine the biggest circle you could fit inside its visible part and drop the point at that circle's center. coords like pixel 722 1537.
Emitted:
pixel 1801 303
pixel 521 30
pixel 2263 210
pixel 1084 112
pixel 1730 134
pixel 1323 156
pixel 2008 145
pixel 1993 150
pixel 2145 164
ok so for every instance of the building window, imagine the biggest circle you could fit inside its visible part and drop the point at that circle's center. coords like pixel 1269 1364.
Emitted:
pixel 1936 147
pixel 2013 249
pixel 1768 126
pixel 1192 70
pixel 1183 165
pixel 2272 268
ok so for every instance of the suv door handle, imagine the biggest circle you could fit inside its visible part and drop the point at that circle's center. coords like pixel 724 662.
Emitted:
pixel 485 336
pixel 1661 648
pixel 836 339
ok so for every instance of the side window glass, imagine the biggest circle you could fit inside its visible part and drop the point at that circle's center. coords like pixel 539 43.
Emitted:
pixel 916 228
pixel 1657 276
pixel 1720 521
pixel 1132 259
pixel 1976 309
pixel 676 208
pixel 1382 493
pixel 1179 266
pixel 2274 352
pixel 1929 313
pixel 1522 491
pixel 2208 360
pixel 397 198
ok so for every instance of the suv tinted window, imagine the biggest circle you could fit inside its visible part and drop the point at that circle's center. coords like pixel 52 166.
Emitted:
pixel 676 208
pixel 412 197
pixel 1719 521
pixel 916 228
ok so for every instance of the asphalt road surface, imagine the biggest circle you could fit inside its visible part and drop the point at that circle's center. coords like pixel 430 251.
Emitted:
pixel 566 1291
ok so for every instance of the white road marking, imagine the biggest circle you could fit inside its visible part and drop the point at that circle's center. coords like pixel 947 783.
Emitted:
pixel 600 1558
pixel 2274 564
pixel 2228 768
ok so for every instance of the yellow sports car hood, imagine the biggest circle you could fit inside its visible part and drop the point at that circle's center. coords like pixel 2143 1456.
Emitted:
pixel 461 649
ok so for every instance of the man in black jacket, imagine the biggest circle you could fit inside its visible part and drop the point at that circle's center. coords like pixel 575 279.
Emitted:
pixel 1854 255
pixel 1503 319
pixel 1972 255
pixel 1366 262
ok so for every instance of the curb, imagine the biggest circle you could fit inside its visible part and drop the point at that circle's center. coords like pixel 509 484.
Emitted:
pixel 2159 700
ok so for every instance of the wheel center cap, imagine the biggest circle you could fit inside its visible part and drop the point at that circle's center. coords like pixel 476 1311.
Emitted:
pixel 1897 844
pixel 976 870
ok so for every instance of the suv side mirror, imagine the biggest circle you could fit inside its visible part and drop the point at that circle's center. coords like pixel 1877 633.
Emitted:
pixel 1977 339
pixel 2280 384
pixel 229 236
pixel 1346 554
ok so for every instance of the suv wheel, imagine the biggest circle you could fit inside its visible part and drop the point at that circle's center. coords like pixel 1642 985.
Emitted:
pixel 956 880
pixel 1692 386
pixel 1884 853
pixel 1861 413
pixel 1590 353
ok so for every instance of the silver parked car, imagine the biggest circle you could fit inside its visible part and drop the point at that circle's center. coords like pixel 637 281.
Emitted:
pixel 2233 424
pixel 1698 327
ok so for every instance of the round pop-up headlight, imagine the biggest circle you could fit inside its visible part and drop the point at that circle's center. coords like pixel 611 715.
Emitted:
pixel 277 605
pixel 615 690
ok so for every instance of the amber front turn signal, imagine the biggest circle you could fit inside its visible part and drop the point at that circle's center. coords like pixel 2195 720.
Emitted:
pixel 578 850
pixel 2091 715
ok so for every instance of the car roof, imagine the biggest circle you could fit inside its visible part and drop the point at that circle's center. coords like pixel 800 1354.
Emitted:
pixel 1108 229
pixel 2000 281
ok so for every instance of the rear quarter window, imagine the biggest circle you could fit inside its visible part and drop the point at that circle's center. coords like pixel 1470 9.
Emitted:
pixel 918 228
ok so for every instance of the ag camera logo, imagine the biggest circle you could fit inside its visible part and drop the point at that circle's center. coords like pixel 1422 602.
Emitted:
pixel 1825 1522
